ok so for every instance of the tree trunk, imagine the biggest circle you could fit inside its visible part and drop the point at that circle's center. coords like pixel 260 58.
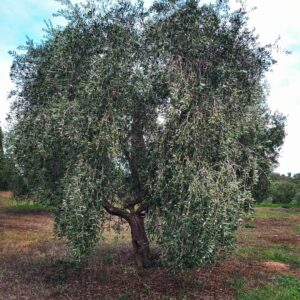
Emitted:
pixel 139 240
pixel 138 234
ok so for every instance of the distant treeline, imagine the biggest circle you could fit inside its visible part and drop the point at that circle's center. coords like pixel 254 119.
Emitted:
pixel 285 189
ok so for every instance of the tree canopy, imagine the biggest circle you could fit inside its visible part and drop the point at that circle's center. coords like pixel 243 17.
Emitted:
pixel 285 189
pixel 131 111
pixel 10 178
pixel 2 162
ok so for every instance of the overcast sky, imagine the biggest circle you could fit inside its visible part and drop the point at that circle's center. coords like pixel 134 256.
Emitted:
pixel 21 18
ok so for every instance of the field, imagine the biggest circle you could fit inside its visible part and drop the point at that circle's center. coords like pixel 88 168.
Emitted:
pixel 34 263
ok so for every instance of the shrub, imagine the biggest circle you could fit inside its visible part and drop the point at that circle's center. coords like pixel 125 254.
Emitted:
pixel 283 192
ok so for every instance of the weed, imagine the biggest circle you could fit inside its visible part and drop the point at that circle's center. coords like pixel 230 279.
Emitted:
pixel 238 284
pixel 107 259
pixel 125 296
pixel 61 288
pixel 250 224
pixel 146 288
pixel 132 271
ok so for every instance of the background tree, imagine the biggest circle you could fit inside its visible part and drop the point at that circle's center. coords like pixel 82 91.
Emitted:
pixel 283 192
pixel 10 177
pixel 285 189
pixel 269 138
pixel 127 111
pixel 296 181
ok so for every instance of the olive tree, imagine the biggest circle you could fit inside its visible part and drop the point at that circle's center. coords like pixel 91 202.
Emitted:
pixel 2 162
pixel 157 116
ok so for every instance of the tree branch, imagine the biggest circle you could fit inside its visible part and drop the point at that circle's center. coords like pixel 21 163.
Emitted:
pixel 115 211
pixel 131 203
pixel 143 207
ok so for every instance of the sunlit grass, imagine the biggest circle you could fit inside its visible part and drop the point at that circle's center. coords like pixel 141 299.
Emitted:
pixel 10 204
pixel 286 253
pixel 256 248
pixel 7 202
pixel 284 287
pixel 281 255
pixel 16 239
pixel 264 213
pixel 277 205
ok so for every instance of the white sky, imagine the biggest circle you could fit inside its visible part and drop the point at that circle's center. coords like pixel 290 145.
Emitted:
pixel 271 19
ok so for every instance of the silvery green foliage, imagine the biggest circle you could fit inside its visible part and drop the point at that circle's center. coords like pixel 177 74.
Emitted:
pixel 200 227
pixel 166 106
pixel 79 214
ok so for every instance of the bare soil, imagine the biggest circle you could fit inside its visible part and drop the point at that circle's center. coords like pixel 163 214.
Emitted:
pixel 6 194
pixel 34 265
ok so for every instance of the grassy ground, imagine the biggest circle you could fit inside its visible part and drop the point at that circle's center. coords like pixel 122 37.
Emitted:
pixel 34 263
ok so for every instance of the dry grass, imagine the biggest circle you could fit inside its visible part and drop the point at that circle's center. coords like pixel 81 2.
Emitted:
pixel 34 264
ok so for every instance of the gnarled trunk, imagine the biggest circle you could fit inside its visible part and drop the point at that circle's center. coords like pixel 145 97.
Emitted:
pixel 138 234
pixel 139 240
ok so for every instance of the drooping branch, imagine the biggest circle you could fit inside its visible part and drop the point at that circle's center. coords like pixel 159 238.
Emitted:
pixel 73 81
pixel 135 157
pixel 138 149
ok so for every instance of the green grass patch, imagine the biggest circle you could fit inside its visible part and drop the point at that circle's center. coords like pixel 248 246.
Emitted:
pixel 250 252
pixel 284 287
pixel 280 256
pixel 6 202
pixel 269 205
pixel 278 205
pixel 297 228
pixel 238 284
pixel 250 224
pixel 13 205
pixel 277 213
pixel 280 252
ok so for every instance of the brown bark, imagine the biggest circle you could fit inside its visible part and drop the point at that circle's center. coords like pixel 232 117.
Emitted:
pixel 139 240
pixel 115 211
